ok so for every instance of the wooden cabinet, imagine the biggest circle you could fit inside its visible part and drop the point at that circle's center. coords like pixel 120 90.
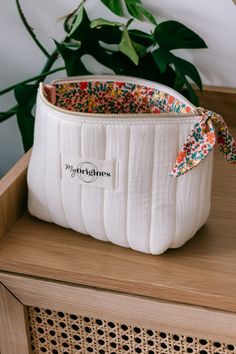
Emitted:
pixel 58 317
pixel 63 292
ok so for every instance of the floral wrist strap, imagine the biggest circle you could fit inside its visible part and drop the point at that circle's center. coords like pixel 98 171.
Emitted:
pixel 209 130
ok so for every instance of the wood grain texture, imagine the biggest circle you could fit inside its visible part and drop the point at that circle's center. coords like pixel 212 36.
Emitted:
pixel 221 100
pixel 14 338
pixel 13 194
pixel 203 272
pixel 132 310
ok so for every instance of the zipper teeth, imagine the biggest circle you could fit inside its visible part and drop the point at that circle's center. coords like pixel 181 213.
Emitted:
pixel 121 116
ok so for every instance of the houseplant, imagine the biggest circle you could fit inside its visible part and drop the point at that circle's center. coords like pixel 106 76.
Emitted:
pixel 116 45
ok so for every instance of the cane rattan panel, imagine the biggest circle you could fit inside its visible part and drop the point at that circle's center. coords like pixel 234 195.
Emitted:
pixel 58 332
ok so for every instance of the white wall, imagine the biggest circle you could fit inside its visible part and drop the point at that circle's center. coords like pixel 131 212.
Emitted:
pixel 214 20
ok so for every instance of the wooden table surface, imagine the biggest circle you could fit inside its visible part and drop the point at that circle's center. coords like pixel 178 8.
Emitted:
pixel 203 272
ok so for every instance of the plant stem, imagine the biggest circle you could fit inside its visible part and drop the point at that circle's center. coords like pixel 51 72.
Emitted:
pixel 29 29
pixel 45 71
pixel 40 76
pixel 5 115
pixel 49 63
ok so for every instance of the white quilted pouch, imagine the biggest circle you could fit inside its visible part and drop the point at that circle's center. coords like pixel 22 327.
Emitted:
pixel 107 151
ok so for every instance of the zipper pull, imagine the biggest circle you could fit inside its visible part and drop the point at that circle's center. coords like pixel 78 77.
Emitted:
pixel 210 129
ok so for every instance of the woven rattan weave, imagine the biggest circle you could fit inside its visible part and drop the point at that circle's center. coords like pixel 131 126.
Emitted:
pixel 51 330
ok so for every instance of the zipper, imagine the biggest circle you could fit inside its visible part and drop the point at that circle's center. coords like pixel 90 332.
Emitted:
pixel 120 116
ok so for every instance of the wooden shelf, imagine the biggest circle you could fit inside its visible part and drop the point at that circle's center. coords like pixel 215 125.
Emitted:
pixel 203 272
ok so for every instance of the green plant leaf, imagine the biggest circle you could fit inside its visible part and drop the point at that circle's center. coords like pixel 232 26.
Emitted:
pixel 137 10
pixel 133 2
pixel 78 17
pixel 190 94
pixel 183 71
pixel 162 58
pixel 114 5
pixel 174 35
pixel 89 39
pixel 126 47
pixel 122 65
pixel 133 9
pixel 180 82
pixel 151 71
pixel 140 49
pixel 140 37
pixel 185 68
pixel 81 32
pixel 72 45
pixel 26 96
pixel 147 14
pixel 107 34
pixel 72 59
pixel 99 22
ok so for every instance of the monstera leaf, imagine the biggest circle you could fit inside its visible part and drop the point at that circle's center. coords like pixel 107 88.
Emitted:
pixel 174 35
pixel 116 46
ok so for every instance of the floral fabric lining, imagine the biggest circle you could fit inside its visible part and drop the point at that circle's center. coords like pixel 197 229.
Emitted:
pixel 116 97
pixel 209 130
pixel 121 97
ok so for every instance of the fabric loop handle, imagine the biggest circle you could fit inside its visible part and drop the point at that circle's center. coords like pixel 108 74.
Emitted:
pixel 210 129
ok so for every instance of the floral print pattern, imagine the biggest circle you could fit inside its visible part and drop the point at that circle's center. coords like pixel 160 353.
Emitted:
pixel 210 129
pixel 116 97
